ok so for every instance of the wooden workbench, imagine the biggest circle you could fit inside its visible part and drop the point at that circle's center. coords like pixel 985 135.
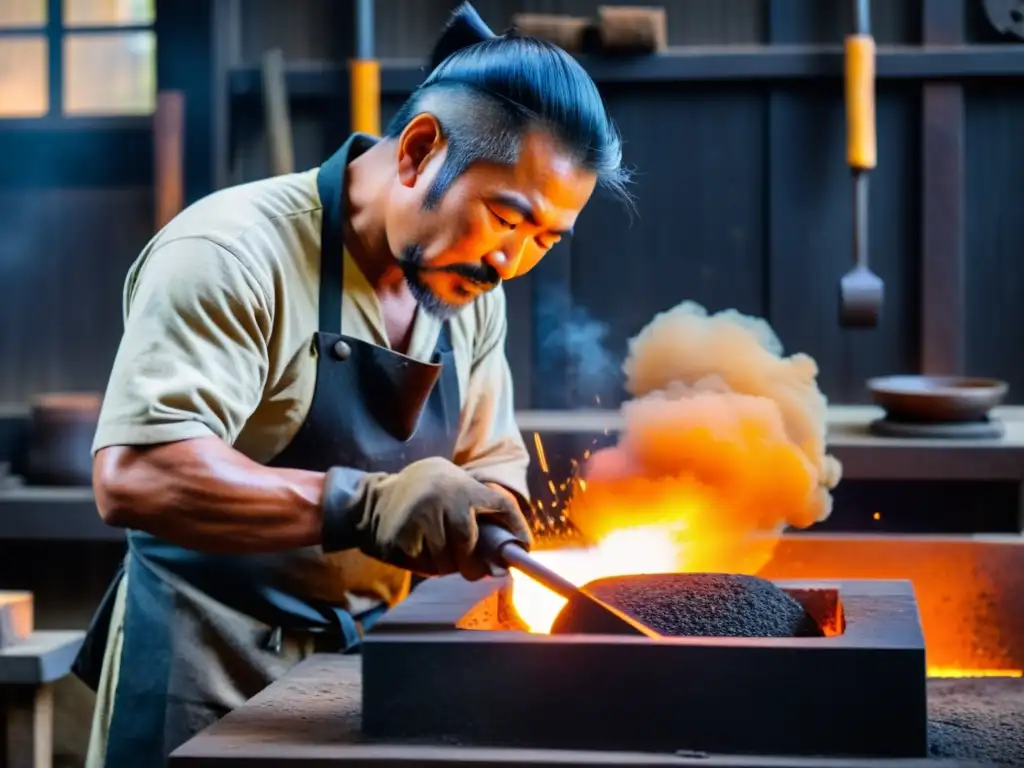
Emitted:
pixel 312 717
pixel 69 514
pixel 865 456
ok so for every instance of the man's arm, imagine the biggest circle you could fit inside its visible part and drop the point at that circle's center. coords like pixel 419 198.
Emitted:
pixel 191 368
pixel 205 495
pixel 490 445
pixel 189 371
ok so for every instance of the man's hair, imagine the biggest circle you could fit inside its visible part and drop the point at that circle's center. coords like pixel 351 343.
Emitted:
pixel 487 90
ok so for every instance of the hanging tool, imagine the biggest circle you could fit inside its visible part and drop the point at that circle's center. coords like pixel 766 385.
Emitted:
pixel 276 113
pixel 364 75
pixel 501 548
pixel 860 291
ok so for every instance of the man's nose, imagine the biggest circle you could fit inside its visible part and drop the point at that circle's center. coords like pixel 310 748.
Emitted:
pixel 504 262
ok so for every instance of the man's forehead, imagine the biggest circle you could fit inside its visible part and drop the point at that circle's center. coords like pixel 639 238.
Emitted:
pixel 548 177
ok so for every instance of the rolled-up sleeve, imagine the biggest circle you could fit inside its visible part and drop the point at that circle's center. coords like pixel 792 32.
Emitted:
pixel 490 445
pixel 193 358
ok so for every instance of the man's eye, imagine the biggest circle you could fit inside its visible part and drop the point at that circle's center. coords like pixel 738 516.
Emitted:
pixel 503 222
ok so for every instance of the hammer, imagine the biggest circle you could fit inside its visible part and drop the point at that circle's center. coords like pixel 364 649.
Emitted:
pixel 860 290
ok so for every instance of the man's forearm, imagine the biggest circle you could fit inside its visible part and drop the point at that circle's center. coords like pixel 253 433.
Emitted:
pixel 204 495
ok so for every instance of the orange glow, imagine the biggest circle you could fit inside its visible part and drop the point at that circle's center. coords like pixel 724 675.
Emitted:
pixel 953 672
pixel 635 550
pixel 541 457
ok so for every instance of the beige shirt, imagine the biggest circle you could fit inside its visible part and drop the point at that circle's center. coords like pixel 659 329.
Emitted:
pixel 220 311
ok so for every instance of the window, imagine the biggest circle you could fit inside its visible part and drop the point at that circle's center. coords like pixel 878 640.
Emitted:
pixel 77 58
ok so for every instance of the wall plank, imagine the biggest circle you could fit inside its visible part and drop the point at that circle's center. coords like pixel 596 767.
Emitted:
pixel 995 210
pixel 63 261
pixel 811 220
pixel 699 157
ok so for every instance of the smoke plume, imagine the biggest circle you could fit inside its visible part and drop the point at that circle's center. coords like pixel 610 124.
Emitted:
pixel 572 340
pixel 723 444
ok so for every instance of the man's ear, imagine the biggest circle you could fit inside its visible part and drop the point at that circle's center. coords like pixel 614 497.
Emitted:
pixel 419 143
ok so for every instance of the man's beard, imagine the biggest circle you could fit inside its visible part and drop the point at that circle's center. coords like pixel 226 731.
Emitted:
pixel 414 269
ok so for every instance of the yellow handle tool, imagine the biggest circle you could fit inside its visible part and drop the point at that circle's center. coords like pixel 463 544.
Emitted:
pixel 364 75
pixel 861 144
pixel 860 290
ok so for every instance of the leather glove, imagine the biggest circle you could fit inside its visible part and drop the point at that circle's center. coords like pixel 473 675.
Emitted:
pixel 423 519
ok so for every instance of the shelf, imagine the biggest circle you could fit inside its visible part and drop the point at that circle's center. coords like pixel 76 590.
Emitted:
pixel 53 514
pixel 69 514
pixel 864 456
pixel 324 79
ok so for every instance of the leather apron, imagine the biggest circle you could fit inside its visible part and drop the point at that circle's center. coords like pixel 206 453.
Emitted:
pixel 203 633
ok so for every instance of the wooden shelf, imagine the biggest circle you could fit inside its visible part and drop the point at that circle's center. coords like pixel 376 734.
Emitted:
pixel 69 514
pixel 327 79
pixel 864 455
pixel 53 514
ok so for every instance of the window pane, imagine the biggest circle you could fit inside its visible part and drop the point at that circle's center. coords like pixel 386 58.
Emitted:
pixel 110 74
pixel 24 86
pixel 107 13
pixel 22 13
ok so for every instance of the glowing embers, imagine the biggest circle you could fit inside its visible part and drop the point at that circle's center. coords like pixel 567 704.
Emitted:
pixel 451 664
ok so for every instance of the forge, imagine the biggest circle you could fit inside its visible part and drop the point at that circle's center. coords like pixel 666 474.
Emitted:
pixel 454 664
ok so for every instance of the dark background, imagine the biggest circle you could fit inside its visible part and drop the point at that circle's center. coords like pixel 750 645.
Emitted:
pixel 744 197
pixel 744 201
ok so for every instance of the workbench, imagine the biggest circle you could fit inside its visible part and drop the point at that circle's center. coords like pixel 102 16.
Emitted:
pixel 69 514
pixel 312 717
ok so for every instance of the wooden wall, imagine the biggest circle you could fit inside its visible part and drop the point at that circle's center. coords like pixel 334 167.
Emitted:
pixel 744 197
pixel 744 200
pixel 76 207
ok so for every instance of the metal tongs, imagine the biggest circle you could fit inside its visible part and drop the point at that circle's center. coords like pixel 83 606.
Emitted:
pixel 501 548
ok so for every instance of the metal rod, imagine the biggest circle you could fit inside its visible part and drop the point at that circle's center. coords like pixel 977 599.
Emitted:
pixel 860 218
pixel 862 16
pixel 277 113
pixel 364 29
pixel 517 557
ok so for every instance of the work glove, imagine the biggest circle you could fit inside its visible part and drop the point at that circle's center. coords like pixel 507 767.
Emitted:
pixel 424 519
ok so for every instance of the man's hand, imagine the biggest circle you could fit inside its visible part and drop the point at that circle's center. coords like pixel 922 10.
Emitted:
pixel 425 518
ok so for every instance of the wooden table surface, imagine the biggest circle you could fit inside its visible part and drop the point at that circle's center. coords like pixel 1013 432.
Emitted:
pixel 847 425
pixel 864 456
pixel 312 717
pixel 70 513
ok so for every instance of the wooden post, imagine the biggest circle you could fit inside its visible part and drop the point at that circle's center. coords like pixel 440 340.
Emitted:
pixel 28 730
pixel 169 156
pixel 943 311
pixel 276 116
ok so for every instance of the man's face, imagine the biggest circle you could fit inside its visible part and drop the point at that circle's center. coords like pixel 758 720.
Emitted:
pixel 493 223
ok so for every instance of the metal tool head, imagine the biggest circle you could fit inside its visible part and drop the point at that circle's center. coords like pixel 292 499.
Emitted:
pixel 861 293
pixel 499 546
pixel 585 610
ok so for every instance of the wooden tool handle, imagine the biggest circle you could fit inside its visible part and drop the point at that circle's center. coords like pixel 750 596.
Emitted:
pixel 861 145
pixel 364 81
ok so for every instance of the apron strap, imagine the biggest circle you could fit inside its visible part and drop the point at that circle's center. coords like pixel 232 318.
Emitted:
pixel 330 185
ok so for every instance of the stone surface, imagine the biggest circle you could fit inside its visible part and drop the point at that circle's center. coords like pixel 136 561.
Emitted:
pixel 312 717
pixel 861 692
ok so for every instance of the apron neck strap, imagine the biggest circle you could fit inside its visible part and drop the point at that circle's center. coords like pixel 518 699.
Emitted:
pixel 330 184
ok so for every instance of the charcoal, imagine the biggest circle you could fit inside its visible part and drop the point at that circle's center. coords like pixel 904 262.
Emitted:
pixel 698 605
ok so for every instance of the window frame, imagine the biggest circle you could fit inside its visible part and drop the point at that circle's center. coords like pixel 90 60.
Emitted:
pixel 54 32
